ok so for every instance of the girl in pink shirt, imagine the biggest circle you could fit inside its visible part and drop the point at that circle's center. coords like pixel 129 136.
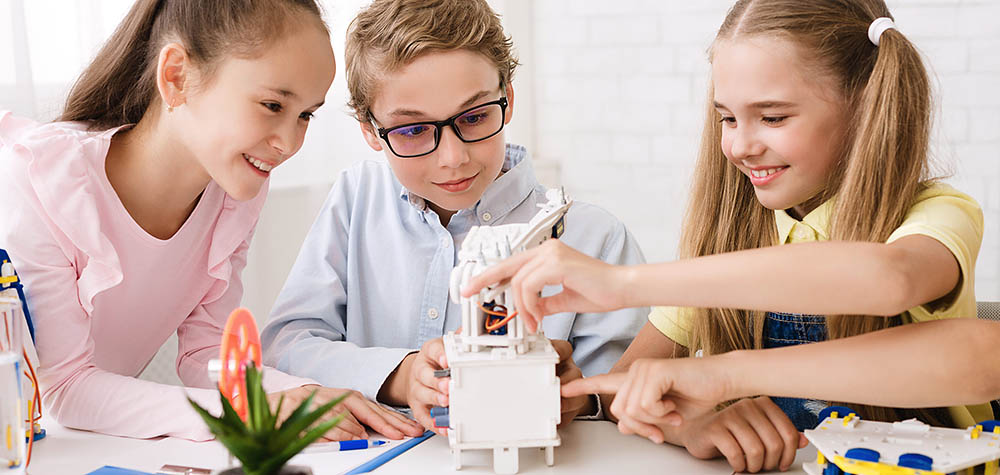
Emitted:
pixel 130 218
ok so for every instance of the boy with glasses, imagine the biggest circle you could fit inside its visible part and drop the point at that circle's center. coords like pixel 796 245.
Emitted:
pixel 430 85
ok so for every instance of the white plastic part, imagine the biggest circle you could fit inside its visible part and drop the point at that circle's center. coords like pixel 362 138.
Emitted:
pixel 951 450
pixel 503 393
pixel 13 396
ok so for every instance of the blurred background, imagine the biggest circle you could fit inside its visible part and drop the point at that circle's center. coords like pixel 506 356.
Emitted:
pixel 610 101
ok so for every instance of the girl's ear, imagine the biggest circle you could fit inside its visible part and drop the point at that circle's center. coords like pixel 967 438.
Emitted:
pixel 173 69
pixel 510 102
pixel 368 131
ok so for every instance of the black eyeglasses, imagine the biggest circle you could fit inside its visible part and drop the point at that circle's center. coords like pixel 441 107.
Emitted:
pixel 421 138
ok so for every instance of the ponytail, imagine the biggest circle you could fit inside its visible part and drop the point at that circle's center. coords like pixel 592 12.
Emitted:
pixel 120 83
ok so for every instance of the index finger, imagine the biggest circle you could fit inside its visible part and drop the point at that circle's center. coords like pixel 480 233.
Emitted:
pixel 502 270
pixel 603 384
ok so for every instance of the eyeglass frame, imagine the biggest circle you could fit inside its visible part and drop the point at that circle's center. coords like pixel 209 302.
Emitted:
pixel 439 126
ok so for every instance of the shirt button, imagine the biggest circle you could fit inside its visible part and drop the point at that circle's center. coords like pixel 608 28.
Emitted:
pixel 433 314
pixel 487 216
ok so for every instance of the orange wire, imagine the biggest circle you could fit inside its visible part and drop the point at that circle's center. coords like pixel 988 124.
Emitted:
pixel 37 398
pixel 501 323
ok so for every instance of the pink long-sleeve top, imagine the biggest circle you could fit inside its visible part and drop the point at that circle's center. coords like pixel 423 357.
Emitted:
pixel 104 294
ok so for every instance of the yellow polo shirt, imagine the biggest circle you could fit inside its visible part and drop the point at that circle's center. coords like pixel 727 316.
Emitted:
pixel 940 212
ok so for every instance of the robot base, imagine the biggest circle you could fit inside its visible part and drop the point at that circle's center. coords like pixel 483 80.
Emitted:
pixel 503 400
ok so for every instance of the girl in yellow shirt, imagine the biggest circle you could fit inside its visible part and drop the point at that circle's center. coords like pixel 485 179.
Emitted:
pixel 816 135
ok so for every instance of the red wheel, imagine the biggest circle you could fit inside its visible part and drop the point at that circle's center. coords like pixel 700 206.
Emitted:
pixel 240 346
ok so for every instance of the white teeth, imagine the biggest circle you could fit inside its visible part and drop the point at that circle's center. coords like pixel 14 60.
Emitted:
pixel 764 173
pixel 257 163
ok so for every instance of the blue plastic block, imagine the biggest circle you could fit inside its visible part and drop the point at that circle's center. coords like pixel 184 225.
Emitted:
pixel 439 411
pixel 918 461
pixel 866 455
pixel 989 425
pixel 840 410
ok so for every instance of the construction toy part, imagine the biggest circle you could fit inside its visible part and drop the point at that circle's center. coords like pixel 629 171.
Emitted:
pixel 504 393
pixel 20 398
pixel 240 347
pixel 847 444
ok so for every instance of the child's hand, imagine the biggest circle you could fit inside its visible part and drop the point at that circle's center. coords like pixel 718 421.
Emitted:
pixel 424 390
pixel 357 410
pixel 752 434
pixel 567 371
pixel 589 285
pixel 657 393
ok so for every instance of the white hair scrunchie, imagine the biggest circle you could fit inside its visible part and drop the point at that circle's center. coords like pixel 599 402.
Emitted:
pixel 878 27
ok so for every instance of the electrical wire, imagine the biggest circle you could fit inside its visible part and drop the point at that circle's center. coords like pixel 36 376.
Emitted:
pixel 501 323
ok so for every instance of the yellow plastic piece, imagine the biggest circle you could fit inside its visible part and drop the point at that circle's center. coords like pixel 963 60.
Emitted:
pixel 860 467
pixel 820 458
pixel 10 444
pixel 991 468
pixel 834 414
pixel 975 432
pixel 8 280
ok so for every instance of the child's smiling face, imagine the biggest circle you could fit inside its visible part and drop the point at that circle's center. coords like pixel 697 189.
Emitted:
pixel 253 113
pixel 435 87
pixel 783 124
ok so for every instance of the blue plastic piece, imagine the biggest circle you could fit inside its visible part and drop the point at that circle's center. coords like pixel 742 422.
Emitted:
pixel 913 460
pixel 866 455
pixel 20 294
pixel 441 422
pixel 840 410
pixel 832 469
pixel 390 454
pixel 439 411
pixel 989 425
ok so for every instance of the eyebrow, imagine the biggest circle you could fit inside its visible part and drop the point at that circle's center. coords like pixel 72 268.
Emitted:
pixel 759 105
pixel 415 113
pixel 290 94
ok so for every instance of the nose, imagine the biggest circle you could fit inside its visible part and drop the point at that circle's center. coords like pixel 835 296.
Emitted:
pixel 451 151
pixel 744 143
pixel 287 138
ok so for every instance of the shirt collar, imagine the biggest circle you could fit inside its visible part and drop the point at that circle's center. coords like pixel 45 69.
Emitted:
pixel 818 220
pixel 501 196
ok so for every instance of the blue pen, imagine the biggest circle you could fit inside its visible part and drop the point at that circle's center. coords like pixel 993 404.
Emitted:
pixel 359 444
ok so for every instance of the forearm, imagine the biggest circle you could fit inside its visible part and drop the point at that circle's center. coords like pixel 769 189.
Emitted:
pixel 779 278
pixel 939 363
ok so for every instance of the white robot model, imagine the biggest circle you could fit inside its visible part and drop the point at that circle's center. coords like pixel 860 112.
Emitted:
pixel 18 394
pixel 848 445
pixel 504 392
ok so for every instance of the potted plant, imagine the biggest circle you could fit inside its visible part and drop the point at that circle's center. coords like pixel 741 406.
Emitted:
pixel 261 444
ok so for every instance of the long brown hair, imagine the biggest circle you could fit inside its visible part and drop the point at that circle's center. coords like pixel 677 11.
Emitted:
pixel 119 84
pixel 883 165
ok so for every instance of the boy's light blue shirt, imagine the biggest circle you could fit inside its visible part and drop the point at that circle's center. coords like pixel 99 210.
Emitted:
pixel 370 284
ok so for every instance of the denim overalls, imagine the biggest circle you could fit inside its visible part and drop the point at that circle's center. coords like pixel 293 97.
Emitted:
pixel 787 329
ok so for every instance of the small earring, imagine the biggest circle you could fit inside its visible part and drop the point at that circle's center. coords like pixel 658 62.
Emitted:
pixel 170 108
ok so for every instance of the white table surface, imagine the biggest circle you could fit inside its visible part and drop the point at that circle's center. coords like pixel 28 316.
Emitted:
pixel 588 447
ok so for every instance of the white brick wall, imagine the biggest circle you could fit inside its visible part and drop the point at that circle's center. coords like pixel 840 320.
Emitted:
pixel 620 88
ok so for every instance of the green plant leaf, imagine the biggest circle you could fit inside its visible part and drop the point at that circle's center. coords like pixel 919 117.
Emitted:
pixel 296 446
pixel 290 429
pixel 273 423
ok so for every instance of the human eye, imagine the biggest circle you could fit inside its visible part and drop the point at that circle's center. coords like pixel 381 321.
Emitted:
pixel 774 120
pixel 475 117
pixel 307 116
pixel 412 131
pixel 272 106
pixel 728 121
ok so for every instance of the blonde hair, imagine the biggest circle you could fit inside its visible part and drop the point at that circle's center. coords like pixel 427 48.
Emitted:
pixel 883 166
pixel 389 34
